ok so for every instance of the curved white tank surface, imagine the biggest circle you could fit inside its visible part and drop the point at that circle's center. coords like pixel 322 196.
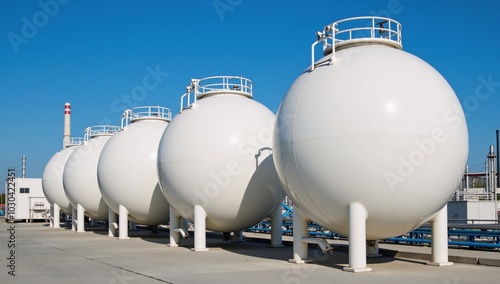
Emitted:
pixel 52 178
pixel 375 125
pixel 80 173
pixel 216 154
pixel 127 171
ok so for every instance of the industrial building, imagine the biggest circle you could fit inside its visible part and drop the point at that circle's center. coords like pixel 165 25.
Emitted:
pixel 25 200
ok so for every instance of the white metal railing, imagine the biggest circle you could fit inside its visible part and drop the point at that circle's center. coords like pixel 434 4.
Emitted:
pixel 199 88
pixel 368 28
pixel 473 221
pixel 461 195
pixel 146 113
pixel 100 130
pixel 75 141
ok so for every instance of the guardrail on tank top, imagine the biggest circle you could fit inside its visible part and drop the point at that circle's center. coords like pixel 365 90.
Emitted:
pixel 374 29
pixel 100 130
pixel 213 85
pixel 146 112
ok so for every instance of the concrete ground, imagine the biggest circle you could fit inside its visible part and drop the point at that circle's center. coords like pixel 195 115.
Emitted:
pixel 46 255
pixel 490 257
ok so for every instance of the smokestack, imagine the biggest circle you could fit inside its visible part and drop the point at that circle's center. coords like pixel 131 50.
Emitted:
pixel 23 167
pixel 498 163
pixel 67 125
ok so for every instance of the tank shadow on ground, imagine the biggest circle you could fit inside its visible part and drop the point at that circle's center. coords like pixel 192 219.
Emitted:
pixel 338 259
pixel 214 240
pixel 252 247
pixel 259 248
pixel 99 229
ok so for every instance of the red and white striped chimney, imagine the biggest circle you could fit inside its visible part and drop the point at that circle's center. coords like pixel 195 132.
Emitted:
pixel 67 125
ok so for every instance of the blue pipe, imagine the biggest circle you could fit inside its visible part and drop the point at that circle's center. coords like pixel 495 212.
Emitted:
pixel 416 236
pixel 453 243
pixel 288 210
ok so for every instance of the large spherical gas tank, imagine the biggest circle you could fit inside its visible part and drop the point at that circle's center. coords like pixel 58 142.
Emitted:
pixel 80 173
pixel 216 154
pixel 52 179
pixel 127 171
pixel 377 126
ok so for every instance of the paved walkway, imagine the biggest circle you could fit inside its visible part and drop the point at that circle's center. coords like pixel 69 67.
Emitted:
pixel 46 255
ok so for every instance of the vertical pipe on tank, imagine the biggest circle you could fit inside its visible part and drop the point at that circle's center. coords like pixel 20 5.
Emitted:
pixel 51 225
pixel 200 216
pixel 57 214
pixel 112 225
pixel 439 239
pixel 357 238
pixel 276 232
pixel 80 220
pixel 73 218
pixel 67 125
pixel 123 222
pixel 300 254
pixel 175 235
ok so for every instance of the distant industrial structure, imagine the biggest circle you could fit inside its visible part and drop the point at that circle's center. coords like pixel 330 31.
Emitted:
pixel 476 200
pixel 24 197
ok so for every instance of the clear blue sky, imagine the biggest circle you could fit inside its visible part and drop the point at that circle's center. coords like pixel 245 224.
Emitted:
pixel 95 53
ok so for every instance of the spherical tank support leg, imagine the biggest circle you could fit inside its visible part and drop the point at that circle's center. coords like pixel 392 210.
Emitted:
pixel 357 238
pixel 73 218
pixel 122 223
pixel 185 225
pixel 372 249
pixel 300 254
pixel 51 225
pixel 112 225
pixel 238 236
pixel 56 215
pixel 175 235
pixel 276 224
pixel 439 242
pixel 132 226
pixel 80 220
pixel 200 241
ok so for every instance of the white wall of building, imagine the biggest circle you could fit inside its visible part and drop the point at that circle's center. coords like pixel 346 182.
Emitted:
pixel 30 202
pixel 459 211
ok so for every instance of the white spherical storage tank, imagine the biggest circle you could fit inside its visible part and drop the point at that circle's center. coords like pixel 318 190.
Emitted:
pixel 52 178
pixel 80 175
pixel 127 171
pixel 215 158
pixel 370 129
